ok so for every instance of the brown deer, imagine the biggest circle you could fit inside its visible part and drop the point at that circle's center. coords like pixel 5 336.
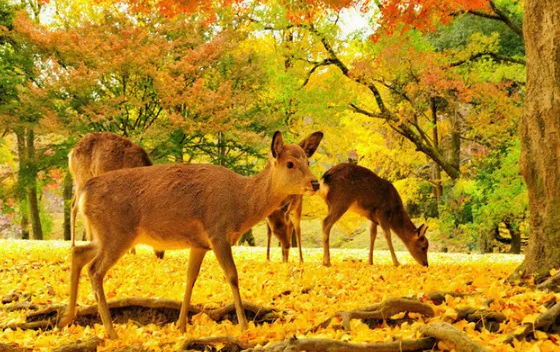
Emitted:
pixel 279 224
pixel 351 187
pixel 97 153
pixel 204 207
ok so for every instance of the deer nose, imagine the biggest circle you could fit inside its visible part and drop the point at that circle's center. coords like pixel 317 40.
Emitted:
pixel 315 185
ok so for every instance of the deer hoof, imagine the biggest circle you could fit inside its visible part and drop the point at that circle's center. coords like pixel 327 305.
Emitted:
pixel 66 319
pixel 112 335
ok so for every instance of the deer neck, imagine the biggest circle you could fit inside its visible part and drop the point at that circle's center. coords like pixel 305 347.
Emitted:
pixel 263 195
pixel 403 226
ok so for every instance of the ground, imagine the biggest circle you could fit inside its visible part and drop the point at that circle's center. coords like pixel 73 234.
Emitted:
pixel 308 294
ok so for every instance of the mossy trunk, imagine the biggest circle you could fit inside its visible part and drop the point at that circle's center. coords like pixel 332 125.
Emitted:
pixel 67 196
pixel 32 197
pixel 540 136
pixel 23 207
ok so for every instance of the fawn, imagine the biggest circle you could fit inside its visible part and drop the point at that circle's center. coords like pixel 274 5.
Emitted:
pixel 97 153
pixel 351 187
pixel 204 207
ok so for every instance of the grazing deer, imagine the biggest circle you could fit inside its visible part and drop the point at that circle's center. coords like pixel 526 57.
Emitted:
pixel 351 187
pixel 279 224
pixel 204 207
pixel 97 153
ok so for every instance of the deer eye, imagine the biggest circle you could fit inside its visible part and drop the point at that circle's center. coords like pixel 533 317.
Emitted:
pixel 290 165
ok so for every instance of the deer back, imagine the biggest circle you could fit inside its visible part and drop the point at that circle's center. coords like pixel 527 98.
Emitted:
pixel 100 152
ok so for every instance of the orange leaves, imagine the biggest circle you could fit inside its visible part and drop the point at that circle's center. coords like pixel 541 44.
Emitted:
pixel 424 15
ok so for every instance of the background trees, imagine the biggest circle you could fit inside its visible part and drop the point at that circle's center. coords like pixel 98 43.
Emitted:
pixel 428 93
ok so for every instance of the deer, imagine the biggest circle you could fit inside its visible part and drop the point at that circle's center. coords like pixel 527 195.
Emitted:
pixel 279 224
pixel 197 206
pixel 97 153
pixel 352 187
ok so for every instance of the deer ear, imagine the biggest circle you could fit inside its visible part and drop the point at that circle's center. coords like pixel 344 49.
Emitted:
pixel 311 143
pixel 277 144
pixel 422 230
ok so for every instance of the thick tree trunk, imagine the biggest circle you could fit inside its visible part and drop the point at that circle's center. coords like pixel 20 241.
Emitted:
pixel 67 196
pixel 23 207
pixel 540 136
pixel 32 198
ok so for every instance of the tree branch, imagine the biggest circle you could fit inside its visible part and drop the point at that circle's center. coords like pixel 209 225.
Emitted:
pixel 494 56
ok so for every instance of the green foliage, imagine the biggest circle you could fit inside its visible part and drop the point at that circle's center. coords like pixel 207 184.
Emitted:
pixel 458 34
pixel 474 209
pixel 503 193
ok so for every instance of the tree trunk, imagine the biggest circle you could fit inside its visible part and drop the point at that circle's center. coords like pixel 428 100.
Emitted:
pixel 67 196
pixel 247 237
pixel 515 234
pixel 438 188
pixel 455 158
pixel 540 137
pixel 34 211
pixel 23 207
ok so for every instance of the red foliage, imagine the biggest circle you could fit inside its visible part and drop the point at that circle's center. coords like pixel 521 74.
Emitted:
pixel 424 15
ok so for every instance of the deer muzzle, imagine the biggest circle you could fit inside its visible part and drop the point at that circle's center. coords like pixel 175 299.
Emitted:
pixel 315 185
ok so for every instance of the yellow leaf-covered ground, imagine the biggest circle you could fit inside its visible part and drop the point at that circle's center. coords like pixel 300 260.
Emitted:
pixel 41 269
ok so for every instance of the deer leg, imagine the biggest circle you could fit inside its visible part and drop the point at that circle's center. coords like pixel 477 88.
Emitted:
pixel 328 222
pixel 195 260
pixel 372 236
pixel 285 253
pixel 269 235
pixel 297 227
pixel 103 261
pixel 73 222
pixel 81 255
pixel 222 249
pixel 387 231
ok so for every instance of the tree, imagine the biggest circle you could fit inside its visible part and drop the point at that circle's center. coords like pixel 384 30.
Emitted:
pixel 540 141
pixel 19 117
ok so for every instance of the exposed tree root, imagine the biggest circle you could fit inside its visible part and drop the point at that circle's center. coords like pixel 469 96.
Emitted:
pixel 483 318
pixel 552 283
pixel 86 346
pixel 12 347
pixel 254 313
pixel 438 297
pixel 142 311
pixel 379 313
pixel 446 332
pixel 13 296
pixel 548 321
pixel 321 345
pixel 211 344
pixel 26 305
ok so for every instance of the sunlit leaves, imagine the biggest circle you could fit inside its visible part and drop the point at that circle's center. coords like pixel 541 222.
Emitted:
pixel 41 269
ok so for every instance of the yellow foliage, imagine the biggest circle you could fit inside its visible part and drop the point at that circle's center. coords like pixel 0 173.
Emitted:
pixel 41 270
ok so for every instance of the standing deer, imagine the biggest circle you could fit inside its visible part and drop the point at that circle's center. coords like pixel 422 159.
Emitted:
pixel 97 153
pixel 351 187
pixel 279 224
pixel 204 207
